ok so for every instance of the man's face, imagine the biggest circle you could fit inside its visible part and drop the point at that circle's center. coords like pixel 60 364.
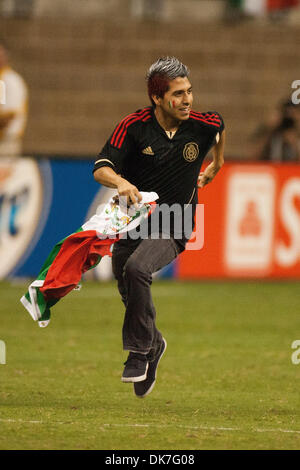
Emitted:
pixel 177 101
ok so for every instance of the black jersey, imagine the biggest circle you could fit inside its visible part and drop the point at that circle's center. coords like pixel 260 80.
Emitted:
pixel 143 153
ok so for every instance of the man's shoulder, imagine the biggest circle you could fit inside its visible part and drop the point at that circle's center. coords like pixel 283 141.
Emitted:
pixel 210 119
pixel 128 125
pixel 139 116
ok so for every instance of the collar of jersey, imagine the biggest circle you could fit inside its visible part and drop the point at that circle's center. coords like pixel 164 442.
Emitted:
pixel 162 130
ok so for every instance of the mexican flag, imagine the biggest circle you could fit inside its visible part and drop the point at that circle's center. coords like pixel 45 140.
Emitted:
pixel 81 251
pixel 260 7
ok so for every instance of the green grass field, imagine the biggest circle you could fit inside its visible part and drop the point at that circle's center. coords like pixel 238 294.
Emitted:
pixel 226 381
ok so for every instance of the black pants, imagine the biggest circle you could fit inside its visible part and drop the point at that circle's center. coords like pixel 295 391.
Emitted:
pixel 134 262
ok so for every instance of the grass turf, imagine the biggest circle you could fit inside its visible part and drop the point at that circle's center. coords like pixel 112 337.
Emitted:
pixel 226 381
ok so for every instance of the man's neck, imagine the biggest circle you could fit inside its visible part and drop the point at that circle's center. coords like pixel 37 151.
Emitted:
pixel 165 121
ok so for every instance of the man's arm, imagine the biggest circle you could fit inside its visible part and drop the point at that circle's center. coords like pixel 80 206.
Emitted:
pixel 108 177
pixel 212 169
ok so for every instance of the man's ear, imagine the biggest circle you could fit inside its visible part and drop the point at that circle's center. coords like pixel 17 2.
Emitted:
pixel 156 99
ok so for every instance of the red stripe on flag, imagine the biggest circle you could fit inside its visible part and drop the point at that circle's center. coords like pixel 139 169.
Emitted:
pixel 78 253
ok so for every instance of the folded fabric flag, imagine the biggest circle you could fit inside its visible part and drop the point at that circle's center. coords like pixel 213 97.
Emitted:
pixel 81 251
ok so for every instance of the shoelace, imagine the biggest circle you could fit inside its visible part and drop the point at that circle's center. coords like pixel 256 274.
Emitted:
pixel 135 359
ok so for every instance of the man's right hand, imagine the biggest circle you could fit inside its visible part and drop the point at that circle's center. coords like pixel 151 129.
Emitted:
pixel 126 189
pixel 108 177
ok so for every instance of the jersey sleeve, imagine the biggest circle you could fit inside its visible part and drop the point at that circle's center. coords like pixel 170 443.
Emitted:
pixel 212 120
pixel 117 148
pixel 216 120
pixel 217 124
pixel 222 125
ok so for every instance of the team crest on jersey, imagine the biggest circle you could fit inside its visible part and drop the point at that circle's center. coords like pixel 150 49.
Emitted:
pixel 190 151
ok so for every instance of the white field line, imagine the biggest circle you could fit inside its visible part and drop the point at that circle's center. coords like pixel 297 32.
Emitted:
pixel 205 428
pixel 158 426
pixel 113 292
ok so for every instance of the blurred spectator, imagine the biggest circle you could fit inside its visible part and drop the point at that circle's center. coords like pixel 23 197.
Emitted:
pixel 148 9
pixel 17 8
pixel 278 140
pixel 13 107
pixel 283 143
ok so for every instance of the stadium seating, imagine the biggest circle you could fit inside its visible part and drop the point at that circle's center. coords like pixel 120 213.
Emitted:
pixel 84 75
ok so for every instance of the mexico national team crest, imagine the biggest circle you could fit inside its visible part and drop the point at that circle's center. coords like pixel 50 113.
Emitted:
pixel 190 151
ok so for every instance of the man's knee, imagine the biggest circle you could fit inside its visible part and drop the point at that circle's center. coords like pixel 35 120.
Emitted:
pixel 133 270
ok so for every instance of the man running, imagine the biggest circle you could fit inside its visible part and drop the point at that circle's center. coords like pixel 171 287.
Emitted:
pixel 158 148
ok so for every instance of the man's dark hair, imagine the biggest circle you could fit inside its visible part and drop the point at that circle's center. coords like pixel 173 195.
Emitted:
pixel 161 72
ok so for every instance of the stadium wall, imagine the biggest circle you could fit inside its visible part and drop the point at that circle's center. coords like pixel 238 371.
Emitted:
pixel 84 75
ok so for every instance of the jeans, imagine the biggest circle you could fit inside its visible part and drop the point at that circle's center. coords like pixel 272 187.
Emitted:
pixel 133 263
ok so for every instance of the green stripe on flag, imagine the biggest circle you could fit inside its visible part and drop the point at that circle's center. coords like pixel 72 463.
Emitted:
pixel 44 306
pixel 51 257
